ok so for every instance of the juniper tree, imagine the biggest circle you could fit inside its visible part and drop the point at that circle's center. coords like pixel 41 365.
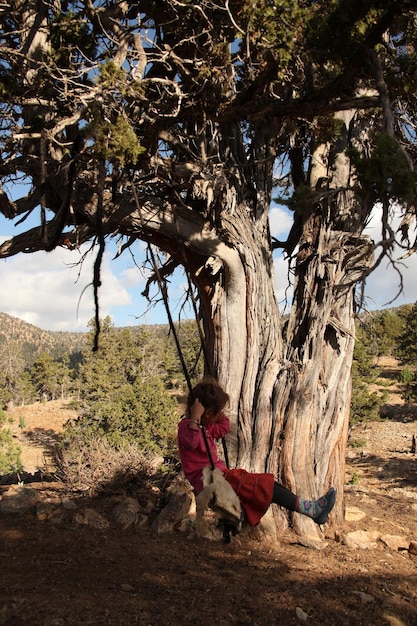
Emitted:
pixel 121 397
pixel 177 123
pixel 407 341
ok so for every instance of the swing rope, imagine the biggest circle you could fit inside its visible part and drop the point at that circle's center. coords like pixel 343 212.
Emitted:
pixel 206 362
pixel 164 292
pixel 163 289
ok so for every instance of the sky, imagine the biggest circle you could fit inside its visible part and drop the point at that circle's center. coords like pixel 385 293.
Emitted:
pixel 51 292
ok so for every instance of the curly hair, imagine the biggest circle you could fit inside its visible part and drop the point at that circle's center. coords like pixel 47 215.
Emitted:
pixel 210 393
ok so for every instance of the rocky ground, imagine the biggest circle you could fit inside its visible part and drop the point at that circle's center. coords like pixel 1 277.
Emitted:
pixel 69 559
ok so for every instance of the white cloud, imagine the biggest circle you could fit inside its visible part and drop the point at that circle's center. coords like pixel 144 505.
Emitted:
pixel 384 283
pixel 132 278
pixel 45 290
pixel 283 290
pixel 280 221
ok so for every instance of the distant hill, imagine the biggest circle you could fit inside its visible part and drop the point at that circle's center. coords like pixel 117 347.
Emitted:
pixel 33 341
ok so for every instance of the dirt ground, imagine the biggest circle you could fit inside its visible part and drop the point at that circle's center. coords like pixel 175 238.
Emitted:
pixel 57 572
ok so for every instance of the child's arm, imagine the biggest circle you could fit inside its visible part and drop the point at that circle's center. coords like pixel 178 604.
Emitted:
pixel 196 412
pixel 221 427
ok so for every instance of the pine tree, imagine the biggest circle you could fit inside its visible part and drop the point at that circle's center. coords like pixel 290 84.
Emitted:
pixel 11 369
pixel 10 453
pixel 365 405
pixel 387 328
pixel 407 341
pixel 122 398
pixel 407 354
pixel 46 377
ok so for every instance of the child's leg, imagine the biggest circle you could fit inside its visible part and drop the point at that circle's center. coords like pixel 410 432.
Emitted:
pixel 284 497
pixel 318 510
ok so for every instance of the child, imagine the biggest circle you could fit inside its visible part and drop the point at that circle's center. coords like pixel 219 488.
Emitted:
pixel 256 491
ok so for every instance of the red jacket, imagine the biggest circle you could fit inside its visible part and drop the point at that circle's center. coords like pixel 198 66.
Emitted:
pixel 193 452
pixel 254 490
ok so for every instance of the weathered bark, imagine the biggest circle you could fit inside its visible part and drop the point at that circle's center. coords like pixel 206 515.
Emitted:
pixel 320 349
pixel 294 405
pixel 243 328
pixel 332 257
pixel 291 410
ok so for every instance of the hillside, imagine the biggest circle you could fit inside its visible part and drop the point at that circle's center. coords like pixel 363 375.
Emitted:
pixel 32 340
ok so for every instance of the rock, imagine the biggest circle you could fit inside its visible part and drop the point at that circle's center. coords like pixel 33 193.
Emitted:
pixel 405 494
pixel 156 463
pixel 126 512
pixel 361 539
pixel 18 498
pixel 312 542
pixel 142 520
pixel 392 620
pixel 171 516
pixel 302 615
pixel 395 542
pixel 413 547
pixel 208 528
pixel 353 514
pixel 366 598
pixel 92 518
pixel 355 489
pixel 351 454
pixel 68 504
pixel 147 506
pixel 45 510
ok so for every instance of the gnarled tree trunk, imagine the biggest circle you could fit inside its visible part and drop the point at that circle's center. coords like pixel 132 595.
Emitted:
pixel 290 400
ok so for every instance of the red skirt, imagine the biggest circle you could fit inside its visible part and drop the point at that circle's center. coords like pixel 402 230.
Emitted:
pixel 254 492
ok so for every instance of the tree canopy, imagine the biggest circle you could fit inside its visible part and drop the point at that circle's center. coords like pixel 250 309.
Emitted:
pixel 118 117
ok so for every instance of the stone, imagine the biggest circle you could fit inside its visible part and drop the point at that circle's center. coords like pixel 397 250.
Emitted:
pixel 156 463
pixel 395 542
pixel 312 543
pixel 355 489
pixel 44 510
pixel 353 514
pixel 18 498
pixel 366 598
pixel 142 520
pixel 90 517
pixel 301 615
pixel 126 512
pixel 361 539
pixel 393 620
pixel 351 454
pixel 173 513
pixel 68 504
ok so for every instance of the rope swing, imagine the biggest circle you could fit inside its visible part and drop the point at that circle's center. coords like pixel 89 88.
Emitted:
pixel 164 292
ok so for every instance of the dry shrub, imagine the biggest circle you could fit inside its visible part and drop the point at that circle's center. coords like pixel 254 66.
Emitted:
pixel 97 466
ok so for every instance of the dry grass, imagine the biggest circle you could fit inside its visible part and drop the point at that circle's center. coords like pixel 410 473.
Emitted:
pixel 95 466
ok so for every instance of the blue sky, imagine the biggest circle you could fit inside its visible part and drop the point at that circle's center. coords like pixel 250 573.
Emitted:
pixel 46 290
